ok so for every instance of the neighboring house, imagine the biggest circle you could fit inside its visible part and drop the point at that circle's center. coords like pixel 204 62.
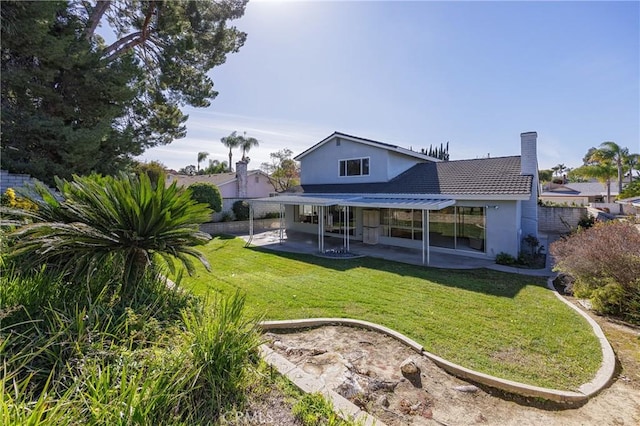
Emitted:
pixel 376 192
pixel 633 204
pixel 242 183
pixel 577 193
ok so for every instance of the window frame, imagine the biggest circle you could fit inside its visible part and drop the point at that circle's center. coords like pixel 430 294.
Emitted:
pixel 364 163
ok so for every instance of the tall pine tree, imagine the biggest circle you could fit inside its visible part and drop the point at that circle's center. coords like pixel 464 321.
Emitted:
pixel 73 104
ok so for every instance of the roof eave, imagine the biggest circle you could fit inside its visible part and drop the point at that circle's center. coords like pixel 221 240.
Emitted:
pixel 381 145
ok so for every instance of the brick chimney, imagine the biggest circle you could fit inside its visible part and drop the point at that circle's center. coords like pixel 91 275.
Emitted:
pixel 241 176
pixel 529 166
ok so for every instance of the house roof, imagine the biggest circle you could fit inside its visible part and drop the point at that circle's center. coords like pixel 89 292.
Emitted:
pixel 388 147
pixel 634 201
pixel 217 179
pixel 579 189
pixel 499 176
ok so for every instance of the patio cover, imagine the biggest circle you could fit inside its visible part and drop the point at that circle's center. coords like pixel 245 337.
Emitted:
pixel 358 201
pixel 349 200
pixel 298 199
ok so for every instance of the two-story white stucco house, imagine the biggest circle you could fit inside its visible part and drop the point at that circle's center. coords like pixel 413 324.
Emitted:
pixel 378 193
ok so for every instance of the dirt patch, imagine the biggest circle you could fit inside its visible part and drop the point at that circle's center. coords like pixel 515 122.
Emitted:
pixel 365 367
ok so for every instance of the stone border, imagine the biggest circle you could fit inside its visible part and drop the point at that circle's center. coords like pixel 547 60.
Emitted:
pixel 602 379
pixel 311 384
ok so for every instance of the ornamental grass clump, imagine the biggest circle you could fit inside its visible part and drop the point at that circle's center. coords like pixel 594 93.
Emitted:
pixel 155 356
pixel 223 343
pixel 604 261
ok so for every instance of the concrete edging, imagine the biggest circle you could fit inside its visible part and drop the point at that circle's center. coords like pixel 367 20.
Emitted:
pixel 586 391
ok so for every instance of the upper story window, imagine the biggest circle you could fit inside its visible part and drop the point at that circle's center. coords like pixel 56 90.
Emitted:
pixel 354 167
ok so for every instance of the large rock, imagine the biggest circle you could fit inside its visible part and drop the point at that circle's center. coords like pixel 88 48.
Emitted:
pixel 409 367
pixel 350 387
pixel 466 388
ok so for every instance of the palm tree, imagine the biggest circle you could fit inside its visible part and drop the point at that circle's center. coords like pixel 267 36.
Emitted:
pixel 559 169
pixel 631 162
pixel 614 152
pixel 201 157
pixel 232 141
pixel 246 144
pixel 215 166
pixel 602 171
pixel 123 221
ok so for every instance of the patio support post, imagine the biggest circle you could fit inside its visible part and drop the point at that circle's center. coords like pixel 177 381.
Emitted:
pixel 424 234
pixel 321 229
pixel 250 221
pixel 428 242
pixel 455 227
pixel 425 237
pixel 346 221
pixel 281 230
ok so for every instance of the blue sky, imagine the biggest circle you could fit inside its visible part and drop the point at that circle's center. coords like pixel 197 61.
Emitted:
pixel 475 74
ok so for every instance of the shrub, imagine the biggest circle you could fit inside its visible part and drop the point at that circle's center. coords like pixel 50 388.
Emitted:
pixel 271 215
pixel 241 210
pixel 154 169
pixel 631 190
pixel 503 258
pixel 605 262
pixel 10 199
pixel 100 219
pixel 207 193
pixel 155 356
pixel 586 222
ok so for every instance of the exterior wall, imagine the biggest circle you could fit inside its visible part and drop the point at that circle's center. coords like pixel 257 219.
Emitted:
pixel 13 180
pixel 239 227
pixel 559 219
pixel 502 227
pixel 258 186
pixel 322 166
pixel 613 208
pixel 570 201
pixel 241 178
pixel 529 166
pixel 502 224
pixel 398 164
pixel 228 190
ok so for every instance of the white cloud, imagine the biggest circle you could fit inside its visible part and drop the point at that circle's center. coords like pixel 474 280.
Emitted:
pixel 205 128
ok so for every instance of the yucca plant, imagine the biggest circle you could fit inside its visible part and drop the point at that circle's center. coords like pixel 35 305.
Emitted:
pixel 97 219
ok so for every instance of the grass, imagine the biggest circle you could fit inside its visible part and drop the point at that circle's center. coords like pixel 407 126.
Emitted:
pixel 313 409
pixel 506 325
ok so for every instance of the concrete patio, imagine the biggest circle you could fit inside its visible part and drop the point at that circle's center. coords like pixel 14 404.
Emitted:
pixel 298 242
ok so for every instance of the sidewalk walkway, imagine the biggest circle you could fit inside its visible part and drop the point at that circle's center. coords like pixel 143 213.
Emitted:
pixel 298 242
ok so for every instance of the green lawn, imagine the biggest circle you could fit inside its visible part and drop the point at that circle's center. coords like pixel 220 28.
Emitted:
pixel 502 324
